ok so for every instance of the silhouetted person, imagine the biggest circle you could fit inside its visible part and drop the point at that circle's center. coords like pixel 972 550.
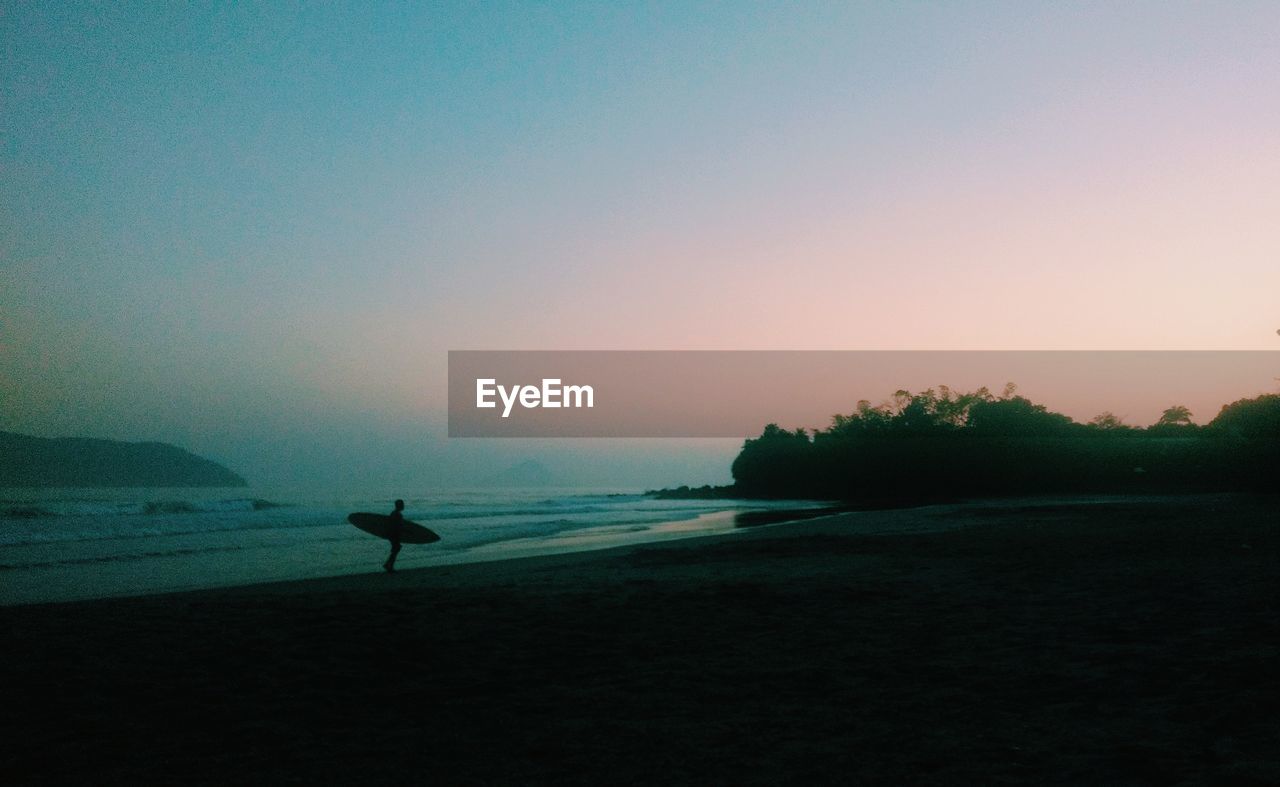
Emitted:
pixel 397 523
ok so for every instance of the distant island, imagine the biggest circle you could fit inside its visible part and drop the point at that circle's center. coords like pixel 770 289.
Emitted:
pixel 76 461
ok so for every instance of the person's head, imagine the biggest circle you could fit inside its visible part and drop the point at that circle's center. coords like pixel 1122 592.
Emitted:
pixel 399 505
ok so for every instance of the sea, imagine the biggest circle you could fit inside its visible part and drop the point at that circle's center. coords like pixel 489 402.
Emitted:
pixel 76 544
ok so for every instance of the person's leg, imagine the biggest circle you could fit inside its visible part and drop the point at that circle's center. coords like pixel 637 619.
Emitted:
pixel 390 565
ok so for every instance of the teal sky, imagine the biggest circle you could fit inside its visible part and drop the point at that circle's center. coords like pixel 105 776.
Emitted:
pixel 257 231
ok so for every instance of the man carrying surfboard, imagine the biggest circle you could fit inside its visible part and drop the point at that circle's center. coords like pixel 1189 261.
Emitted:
pixel 396 522
pixel 394 528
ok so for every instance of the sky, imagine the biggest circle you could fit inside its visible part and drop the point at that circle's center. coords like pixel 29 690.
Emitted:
pixel 257 231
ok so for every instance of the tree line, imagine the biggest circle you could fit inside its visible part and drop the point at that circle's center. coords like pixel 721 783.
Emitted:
pixel 941 443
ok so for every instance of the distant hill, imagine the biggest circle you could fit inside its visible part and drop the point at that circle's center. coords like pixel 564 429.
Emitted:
pixel 525 474
pixel 78 461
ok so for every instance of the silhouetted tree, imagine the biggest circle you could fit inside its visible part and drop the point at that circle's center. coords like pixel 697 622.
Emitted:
pixel 1108 421
pixel 1174 422
pixel 908 413
pixel 1250 419
pixel 1017 416
pixel 1178 415
pixel 777 463
pixel 940 443
pixel 865 419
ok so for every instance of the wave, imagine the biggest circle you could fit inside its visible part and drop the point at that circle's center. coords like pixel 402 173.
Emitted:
pixel 569 506
pixel 209 506
pixel 129 557
pixel 26 512
pixel 105 508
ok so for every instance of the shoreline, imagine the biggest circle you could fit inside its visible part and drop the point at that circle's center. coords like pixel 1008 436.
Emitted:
pixel 180 562
pixel 587 541
pixel 1117 641
pixel 511 552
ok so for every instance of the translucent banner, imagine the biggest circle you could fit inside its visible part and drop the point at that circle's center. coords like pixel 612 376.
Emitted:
pixel 736 393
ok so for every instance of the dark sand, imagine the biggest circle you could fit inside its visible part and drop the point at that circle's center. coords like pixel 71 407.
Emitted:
pixel 1116 643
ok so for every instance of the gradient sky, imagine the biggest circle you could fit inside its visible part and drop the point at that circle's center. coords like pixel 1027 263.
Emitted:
pixel 257 231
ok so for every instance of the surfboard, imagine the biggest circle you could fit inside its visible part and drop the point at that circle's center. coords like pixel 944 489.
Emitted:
pixel 380 526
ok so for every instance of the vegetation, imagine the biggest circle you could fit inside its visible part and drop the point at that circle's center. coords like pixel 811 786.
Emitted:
pixel 940 443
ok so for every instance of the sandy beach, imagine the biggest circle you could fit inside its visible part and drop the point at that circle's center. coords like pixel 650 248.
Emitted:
pixel 1029 641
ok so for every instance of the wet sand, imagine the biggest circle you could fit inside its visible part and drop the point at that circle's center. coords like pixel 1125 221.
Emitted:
pixel 1119 642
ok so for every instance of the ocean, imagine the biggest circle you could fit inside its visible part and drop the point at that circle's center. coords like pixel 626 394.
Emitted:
pixel 70 544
